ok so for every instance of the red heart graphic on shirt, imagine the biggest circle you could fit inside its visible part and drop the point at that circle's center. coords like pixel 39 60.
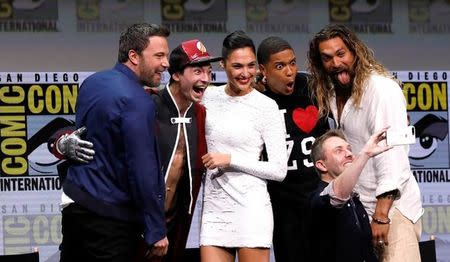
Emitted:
pixel 305 119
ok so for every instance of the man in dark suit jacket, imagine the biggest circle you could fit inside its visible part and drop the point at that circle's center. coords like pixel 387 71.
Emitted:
pixel 119 195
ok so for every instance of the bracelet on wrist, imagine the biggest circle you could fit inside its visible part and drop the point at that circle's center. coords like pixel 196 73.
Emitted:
pixel 381 221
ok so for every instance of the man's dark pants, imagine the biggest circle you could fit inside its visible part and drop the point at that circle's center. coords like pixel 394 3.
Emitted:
pixel 91 237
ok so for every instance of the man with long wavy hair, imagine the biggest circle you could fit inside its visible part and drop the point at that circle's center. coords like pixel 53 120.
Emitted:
pixel 362 96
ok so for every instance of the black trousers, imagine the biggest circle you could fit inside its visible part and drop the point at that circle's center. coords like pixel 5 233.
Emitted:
pixel 291 234
pixel 90 237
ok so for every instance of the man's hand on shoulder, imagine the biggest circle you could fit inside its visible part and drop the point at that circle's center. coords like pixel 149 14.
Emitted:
pixel 74 148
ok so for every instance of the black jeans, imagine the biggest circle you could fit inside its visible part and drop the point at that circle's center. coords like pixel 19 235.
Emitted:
pixel 91 237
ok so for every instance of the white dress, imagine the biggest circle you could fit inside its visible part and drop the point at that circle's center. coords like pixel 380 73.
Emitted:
pixel 236 206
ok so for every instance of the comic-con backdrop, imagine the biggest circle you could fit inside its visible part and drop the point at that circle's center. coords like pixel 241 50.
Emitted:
pixel 33 105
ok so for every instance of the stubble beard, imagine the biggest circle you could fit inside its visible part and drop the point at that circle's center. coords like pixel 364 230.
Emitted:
pixel 147 76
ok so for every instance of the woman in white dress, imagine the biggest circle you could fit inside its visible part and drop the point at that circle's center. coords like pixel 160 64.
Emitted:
pixel 240 121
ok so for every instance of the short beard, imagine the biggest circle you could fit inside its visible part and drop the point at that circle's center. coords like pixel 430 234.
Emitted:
pixel 150 84
pixel 147 80
pixel 146 75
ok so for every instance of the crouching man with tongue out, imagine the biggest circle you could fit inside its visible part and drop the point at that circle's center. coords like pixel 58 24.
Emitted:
pixel 364 97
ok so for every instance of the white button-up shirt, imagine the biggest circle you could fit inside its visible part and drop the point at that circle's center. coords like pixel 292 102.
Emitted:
pixel 382 104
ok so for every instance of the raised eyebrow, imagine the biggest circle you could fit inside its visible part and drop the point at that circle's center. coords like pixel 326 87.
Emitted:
pixel 279 64
pixel 325 55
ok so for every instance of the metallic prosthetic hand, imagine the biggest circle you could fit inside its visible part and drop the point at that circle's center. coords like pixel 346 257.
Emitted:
pixel 74 148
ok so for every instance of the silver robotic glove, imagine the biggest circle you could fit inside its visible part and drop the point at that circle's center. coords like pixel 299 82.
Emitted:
pixel 74 148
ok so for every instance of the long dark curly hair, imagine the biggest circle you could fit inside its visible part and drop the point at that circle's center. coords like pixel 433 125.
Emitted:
pixel 320 83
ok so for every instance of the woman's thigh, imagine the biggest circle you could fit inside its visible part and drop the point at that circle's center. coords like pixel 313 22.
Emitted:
pixel 217 254
pixel 254 254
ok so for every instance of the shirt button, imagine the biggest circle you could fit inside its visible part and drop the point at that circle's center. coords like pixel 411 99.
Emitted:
pixel 348 204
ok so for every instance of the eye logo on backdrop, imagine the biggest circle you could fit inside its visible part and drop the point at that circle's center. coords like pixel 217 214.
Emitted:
pixel 363 16
pixel 40 160
pixel 33 107
pixel 195 16
pixel 426 95
pixel 429 17
pixel 28 16
pixel 431 134
pixel 284 16
pixel 108 15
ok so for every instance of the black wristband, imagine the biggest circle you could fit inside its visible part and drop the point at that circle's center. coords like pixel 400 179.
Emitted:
pixel 381 222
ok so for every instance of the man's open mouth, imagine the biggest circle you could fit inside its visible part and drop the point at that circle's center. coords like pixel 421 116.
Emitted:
pixel 199 89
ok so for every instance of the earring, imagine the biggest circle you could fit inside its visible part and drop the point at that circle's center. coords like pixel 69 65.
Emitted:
pixel 264 80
